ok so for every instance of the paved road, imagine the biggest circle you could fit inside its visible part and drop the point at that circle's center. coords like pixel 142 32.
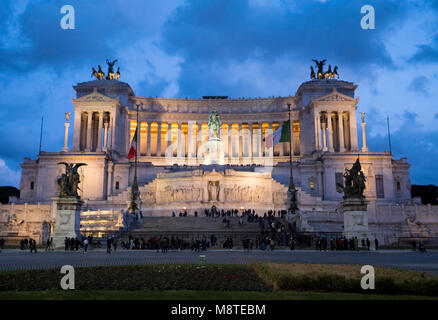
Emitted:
pixel 16 259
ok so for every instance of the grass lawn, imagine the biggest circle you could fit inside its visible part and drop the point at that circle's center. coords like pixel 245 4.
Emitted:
pixel 262 281
pixel 199 295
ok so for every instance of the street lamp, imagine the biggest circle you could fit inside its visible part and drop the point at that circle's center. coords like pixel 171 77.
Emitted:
pixel 293 207
pixel 133 206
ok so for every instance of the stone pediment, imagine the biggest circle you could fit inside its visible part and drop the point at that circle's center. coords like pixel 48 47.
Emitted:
pixel 95 97
pixel 335 96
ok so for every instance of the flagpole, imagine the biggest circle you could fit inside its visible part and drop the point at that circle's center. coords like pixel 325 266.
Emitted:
pixel 41 134
pixel 136 147
pixel 133 207
pixel 389 136
pixel 292 191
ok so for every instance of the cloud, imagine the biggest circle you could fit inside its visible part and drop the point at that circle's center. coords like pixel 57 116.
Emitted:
pixel 101 30
pixel 420 84
pixel 412 141
pixel 426 53
pixel 211 36
pixel 9 177
pixel 177 48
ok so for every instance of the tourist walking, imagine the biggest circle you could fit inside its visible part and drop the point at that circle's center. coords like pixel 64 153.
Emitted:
pixel 33 247
pixel 376 242
pixel 292 243
pixel 85 245
pixel 368 244
pixel 108 245
pixel 421 247
pixel 48 244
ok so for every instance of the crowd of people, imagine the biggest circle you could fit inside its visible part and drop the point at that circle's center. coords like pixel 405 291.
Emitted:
pixel 421 246
pixel 165 243
pixel 30 243
pixel 275 232
pixel 344 243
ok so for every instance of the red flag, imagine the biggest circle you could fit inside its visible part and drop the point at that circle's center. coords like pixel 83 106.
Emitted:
pixel 133 151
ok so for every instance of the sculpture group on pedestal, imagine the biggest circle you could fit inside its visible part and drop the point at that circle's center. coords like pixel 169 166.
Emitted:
pixel 69 181
pixel 354 182
pixel 329 74
pixel 68 205
pixel 99 74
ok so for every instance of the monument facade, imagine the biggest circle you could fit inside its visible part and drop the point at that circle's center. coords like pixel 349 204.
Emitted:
pixel 175 171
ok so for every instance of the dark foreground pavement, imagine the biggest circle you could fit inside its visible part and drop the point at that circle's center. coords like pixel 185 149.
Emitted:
pixel 16 259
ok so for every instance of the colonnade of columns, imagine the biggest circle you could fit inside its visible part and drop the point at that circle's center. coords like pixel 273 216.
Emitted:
pixel 334 131
pixel 96 129
pixel 242 141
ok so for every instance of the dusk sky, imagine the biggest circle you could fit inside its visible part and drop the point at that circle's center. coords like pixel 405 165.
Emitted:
pixel 253 48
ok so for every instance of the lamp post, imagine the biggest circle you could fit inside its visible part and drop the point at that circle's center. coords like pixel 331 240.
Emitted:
pixel 293 207
pixel 133 207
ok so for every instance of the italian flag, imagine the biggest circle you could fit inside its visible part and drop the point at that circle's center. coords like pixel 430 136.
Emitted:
pixel 132 151
pixel 282 134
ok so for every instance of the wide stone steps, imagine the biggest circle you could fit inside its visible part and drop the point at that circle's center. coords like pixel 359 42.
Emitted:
pixel 191 224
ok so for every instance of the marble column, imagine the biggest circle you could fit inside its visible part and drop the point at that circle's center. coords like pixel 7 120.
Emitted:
pixel 65 148
pixel 353 131
pixel 324 135
pixel 110 179
pixel 281 146
pixel 259 141
pixel 139 139
pixel 99 132
pixel 249 141
pixel 158 139
pixel 364 137
pixel 169 148
pixel 179 150
pixel 89 138
pixel 199 140
pixel 347 131
pixel 127 134
pixel 77 132
pixel 317 132
pixel 230 142
pixel 239 142
pixel 292 137
pixel 330 132
pixel 148 139
pixel 105 136
pixel 112 131
pixel 341 132
pixel 269 132
pixel 191 145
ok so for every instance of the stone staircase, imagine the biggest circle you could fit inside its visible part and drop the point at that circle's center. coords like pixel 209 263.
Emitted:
pixel 192 228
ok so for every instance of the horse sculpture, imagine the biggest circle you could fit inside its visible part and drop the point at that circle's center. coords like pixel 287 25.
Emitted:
pixel 328 73
pixel 98 74
pixel 312 73
pixel 335 72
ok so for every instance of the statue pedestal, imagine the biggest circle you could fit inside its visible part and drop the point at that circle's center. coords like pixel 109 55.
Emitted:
pixel 214 152
pixel 67 220
pixel 355 219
